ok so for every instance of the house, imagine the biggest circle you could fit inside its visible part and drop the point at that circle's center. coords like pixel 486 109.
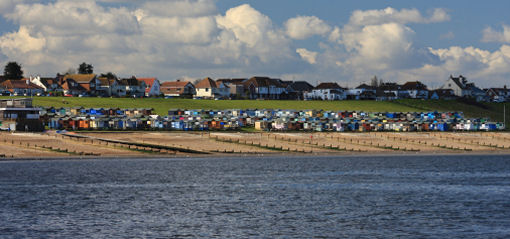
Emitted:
pixel 259 87
pixel 86 81
pixel 109 87
pixel 416 90
pixel 362 92
pixel 459 85
pixel 208 88
pixel 296 90
pixel 327 91
pixel 22 87
pixel 132 87
pixel 498 94
pixel 48 84
pixel 236 87
pixel 477 93
pixel 381 95
pixel 391 87
pixel 442 94
pixel 152 86
pixel 178 89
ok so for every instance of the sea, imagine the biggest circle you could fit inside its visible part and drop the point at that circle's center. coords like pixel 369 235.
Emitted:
pixel 439 196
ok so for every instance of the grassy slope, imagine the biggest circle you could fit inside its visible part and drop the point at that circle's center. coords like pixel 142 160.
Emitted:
pixel 492 110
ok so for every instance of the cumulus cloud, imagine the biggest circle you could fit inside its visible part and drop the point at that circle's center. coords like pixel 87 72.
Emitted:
pixel 491 35
pixel 176 38
pixel 303 27
pixel 307 55
pixel 21 41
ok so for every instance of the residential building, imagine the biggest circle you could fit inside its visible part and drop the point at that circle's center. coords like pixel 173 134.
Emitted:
pixel 296 90
pixel 362 92
pixel 459 85
pixel 236 87
pixel 86 81
pixel 152 86
pixel 391 87
pixel 22 87
pixel 498 94
pixel 132 87
pixel 49 84
pixel 442 94
pixel 416 90
pixel 208 88
pixel 178 88
pixel 109 87
pixel 264 88
pixel 327 91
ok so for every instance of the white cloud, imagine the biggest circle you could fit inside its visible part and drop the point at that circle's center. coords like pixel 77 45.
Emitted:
pixel 491 35
pixel 170 39
pixel 391 15
pixel 303 27
pixel 21 41
pixel 307 55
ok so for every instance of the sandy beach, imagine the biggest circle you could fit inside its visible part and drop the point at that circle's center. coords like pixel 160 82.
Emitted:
pixel 50 144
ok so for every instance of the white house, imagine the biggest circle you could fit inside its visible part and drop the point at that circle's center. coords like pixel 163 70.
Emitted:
pixel 327 91
pixel 459 85
pixel 208 88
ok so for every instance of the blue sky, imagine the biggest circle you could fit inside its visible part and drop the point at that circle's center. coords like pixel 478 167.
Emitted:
pixel 327 40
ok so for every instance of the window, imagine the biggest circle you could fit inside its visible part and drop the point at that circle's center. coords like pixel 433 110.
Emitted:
pixel 206 89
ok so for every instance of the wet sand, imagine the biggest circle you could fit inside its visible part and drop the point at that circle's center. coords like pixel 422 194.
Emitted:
pixel 50 145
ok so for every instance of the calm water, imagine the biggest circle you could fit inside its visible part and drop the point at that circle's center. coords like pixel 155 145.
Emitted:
pixel 337 197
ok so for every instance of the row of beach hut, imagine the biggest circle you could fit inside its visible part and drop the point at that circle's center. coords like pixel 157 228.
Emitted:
pixel 260 119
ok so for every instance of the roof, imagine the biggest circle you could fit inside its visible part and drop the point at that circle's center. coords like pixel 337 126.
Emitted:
pixel 78 87
pixel 19 84
pixel 262 81
pixel 235 81
pixel 414 85
pixel 104 81
pixel 365 86
pixel 206 83
pixel 300 86
pixel 174 84
pixel 48 81
pixel 148 81
pixel 459 81
pixel 328 85
pixel 389 86
pixel 80 78
pixel 130 81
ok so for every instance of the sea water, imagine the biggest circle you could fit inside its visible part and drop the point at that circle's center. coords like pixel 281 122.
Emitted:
pixel 270 197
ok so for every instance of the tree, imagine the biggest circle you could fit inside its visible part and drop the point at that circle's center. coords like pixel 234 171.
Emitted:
pixel 374 82
pixel 12 71
pixel 109 75
pixel 85 68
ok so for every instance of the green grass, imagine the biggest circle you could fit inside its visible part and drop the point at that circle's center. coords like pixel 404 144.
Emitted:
pixel 161 106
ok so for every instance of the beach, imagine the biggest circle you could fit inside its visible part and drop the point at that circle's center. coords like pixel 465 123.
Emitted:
pixel 97 144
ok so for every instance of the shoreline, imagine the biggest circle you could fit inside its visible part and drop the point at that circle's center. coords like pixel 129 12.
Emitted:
pixel 177 144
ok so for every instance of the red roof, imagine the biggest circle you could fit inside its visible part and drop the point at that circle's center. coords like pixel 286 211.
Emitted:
pixel 206 83
pixel 149 82
pixel 19 84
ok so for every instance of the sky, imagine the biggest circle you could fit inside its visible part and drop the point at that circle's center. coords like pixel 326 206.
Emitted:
pixel 347 42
